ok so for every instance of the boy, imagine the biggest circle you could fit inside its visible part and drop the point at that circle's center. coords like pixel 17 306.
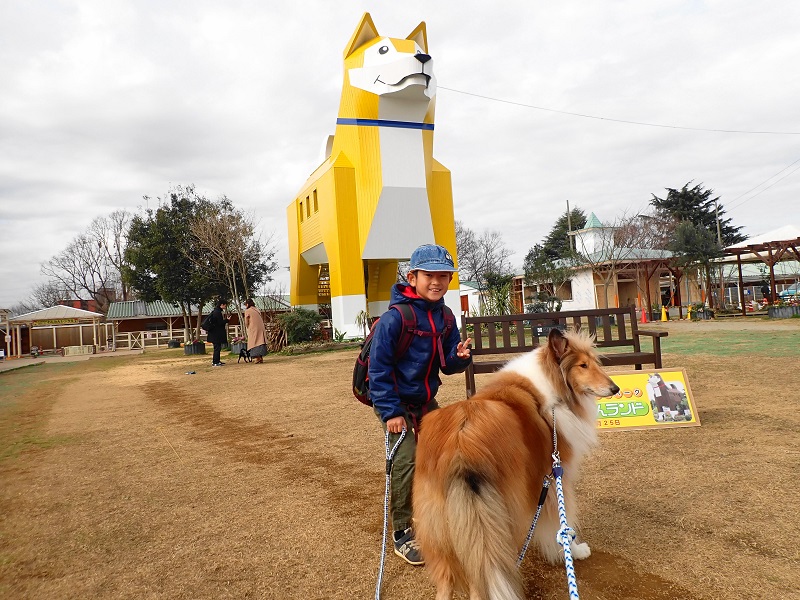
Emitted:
pixel 403 391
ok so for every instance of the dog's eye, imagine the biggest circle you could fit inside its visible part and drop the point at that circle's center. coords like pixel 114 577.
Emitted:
pixel 584 366
pixel 383 49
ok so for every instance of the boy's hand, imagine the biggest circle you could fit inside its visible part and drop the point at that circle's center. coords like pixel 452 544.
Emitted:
pixel 463 348
pixel 395 424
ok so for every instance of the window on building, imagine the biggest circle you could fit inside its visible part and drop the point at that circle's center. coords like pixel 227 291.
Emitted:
pixel 302 214
pixel 316 204
pixel 308 207
pixel 565 291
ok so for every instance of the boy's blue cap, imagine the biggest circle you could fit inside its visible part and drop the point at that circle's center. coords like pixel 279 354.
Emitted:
pixel 431 257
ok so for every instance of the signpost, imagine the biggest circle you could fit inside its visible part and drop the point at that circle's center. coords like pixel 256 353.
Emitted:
pixel 651 399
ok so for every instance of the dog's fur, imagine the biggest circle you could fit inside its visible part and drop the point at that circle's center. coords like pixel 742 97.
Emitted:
pixel 481 464
pixel 244 353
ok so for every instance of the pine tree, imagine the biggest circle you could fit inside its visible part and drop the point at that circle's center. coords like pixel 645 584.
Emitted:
pixel 698 206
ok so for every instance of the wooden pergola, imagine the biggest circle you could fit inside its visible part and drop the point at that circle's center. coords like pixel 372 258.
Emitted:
pixel 767 252
pixel 638 262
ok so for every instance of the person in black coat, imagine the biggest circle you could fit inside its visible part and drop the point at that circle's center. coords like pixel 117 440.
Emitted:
pixel 216 330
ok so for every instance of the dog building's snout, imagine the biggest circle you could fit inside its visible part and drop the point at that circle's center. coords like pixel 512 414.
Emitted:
pixel 423 58
pixel 614 389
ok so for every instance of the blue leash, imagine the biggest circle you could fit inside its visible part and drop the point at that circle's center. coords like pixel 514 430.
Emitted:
pixel 565 534
pixel 389 459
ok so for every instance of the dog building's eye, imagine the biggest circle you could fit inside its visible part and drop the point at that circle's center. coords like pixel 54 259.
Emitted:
pixel 383 49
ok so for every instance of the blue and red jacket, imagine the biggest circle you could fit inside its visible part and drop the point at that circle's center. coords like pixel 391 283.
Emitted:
pixel 414 378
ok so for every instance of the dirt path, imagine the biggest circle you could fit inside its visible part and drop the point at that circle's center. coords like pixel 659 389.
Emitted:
pixel 266 481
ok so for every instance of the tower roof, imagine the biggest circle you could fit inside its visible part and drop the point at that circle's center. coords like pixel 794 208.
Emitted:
pixel 593 222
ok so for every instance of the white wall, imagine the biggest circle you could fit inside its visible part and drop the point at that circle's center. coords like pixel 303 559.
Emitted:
pixel 473 297
pixel 583 296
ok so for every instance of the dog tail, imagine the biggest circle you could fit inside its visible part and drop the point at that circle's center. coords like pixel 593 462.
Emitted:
pixel 480 530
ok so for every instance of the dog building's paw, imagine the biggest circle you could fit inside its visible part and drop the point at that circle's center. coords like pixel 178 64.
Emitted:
pixel 580 551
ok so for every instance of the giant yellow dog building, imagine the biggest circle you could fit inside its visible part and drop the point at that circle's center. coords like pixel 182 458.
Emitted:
pixel 379 192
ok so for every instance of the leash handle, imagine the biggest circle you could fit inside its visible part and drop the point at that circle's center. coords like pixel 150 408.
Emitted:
pixel 389 459
pixel 542 498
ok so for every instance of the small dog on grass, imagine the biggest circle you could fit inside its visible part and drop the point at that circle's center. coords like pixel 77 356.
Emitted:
pixel 244 353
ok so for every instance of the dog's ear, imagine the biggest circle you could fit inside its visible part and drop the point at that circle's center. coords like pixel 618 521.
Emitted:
pixel 365 32
pixel 420 36
pixel 558 343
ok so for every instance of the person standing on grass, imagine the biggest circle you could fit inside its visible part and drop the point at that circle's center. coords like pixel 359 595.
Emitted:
pixel 256 337
pixel 403 389
pixel 216 323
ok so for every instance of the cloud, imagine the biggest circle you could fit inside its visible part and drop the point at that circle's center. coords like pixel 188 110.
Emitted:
pixel 107 102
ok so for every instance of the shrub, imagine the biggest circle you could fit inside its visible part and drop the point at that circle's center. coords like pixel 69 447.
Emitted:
pixel 300 325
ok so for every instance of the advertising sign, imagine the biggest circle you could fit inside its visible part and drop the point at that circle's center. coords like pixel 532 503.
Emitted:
pixel 650 399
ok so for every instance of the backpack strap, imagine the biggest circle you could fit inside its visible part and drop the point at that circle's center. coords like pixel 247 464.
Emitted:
pixel 408 330
pixel 449 325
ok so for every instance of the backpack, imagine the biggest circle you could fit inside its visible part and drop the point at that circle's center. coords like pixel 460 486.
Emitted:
pixel 407 333
pixel 206 322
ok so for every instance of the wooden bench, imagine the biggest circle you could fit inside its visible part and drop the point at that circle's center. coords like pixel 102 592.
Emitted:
pixel 514 334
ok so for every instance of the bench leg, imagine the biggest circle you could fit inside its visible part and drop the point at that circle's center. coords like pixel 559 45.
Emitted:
pixel 469 375
pixel 657 351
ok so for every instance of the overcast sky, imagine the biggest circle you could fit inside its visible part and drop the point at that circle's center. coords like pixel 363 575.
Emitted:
pixel 103 102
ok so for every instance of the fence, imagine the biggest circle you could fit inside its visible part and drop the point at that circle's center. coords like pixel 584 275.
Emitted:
pixel 160 338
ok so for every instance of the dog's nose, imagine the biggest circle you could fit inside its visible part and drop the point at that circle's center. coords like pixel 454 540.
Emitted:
pixel 614 389
pixel 423 58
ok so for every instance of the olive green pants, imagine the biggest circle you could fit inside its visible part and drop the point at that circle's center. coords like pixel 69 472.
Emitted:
pixel 403 465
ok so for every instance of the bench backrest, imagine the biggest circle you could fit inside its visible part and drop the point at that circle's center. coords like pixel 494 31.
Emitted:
pixel 523 332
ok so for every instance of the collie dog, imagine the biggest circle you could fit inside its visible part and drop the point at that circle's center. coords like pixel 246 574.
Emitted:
pixel 481 463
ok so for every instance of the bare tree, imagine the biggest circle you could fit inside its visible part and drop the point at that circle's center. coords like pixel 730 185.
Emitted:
pixel 48 294
pixel 21 308
pixel 481 255
pixel 227 238
pixel 111 232
pixel 83 270
pixel 90 267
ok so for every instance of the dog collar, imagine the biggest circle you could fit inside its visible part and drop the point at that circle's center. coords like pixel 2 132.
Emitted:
pixel 385 123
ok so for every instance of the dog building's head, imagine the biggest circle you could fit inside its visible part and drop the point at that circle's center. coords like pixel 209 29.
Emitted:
pixel 387 66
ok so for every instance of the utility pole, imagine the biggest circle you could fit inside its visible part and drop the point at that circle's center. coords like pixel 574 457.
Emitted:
pixel 569 228
pixel 721 273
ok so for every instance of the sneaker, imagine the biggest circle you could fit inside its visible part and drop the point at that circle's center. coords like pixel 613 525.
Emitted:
pixel 217 364
pixel 407 548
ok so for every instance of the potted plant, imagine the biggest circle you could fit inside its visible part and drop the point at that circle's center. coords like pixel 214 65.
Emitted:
pixel 655 313
pixel 194 347
pixel 238 344
pixel 700 312
pixel 783 309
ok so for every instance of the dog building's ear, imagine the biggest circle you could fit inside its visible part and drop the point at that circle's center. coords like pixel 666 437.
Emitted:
pixel 365 32
pixel 557 342
pixel 420 36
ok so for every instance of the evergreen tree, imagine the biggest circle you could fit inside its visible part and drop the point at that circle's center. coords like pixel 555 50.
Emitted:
pixel 698 206
pixel 557 244
pixel 159 258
